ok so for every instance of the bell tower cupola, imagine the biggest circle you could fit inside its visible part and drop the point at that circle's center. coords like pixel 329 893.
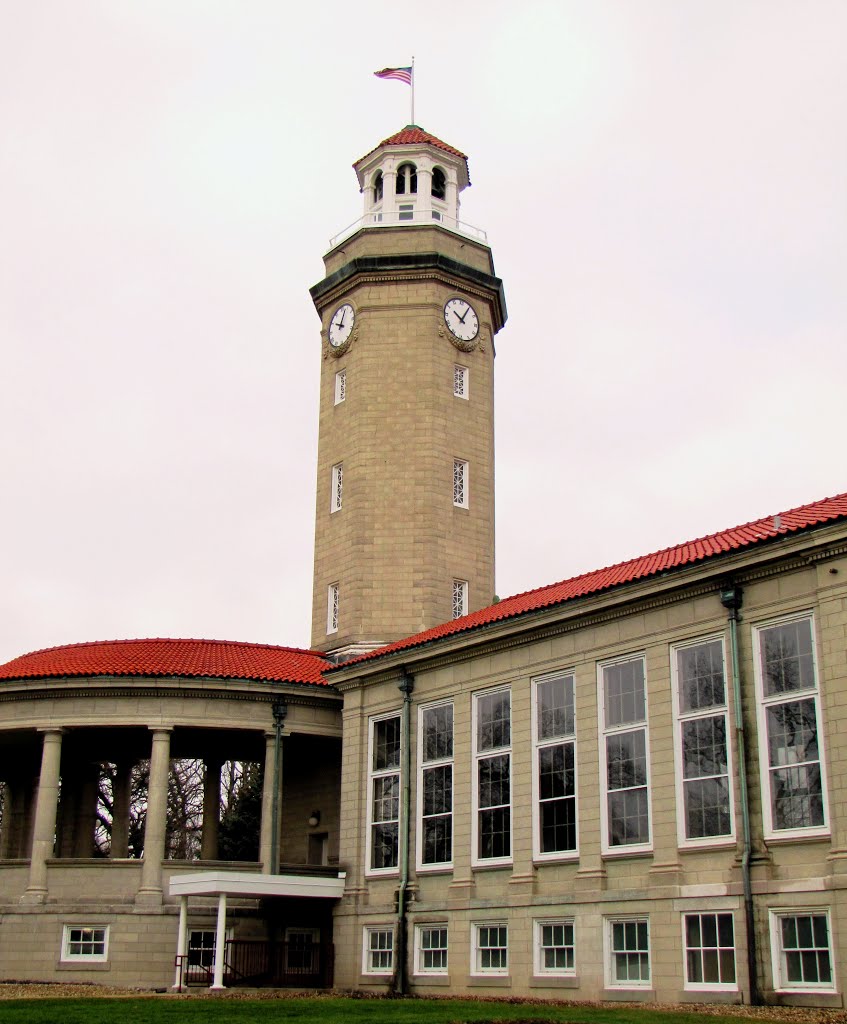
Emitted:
pixel 409 307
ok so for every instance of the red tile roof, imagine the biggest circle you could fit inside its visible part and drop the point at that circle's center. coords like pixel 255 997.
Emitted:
pixel 771 527
pixel 216 659
pixel 413 135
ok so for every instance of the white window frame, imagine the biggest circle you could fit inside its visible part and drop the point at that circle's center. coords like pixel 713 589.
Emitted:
pixel 477 970
pixel 778 966
pixel 336 497
pixel 373 775
pixel 332 607
pixel 538 948
pixel 420 950
pixel 542 743
pixel 424 766
pixel 459 606
pixel 763 703
pixel 461 483
pixel 610 953
pixel 680 719
pixel 478 757
pixel 709 986
pixel 367 966
pixel 84 930
pixel 622 849
pixel 340 386
pixel 461 381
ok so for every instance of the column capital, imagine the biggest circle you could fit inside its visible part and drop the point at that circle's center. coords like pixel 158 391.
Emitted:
pixel 160 728
pixel 52 730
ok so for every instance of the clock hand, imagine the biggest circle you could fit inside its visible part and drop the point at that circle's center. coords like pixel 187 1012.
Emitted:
pixel 462 318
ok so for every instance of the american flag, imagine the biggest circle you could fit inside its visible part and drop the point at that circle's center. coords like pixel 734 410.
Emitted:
pixel 401 74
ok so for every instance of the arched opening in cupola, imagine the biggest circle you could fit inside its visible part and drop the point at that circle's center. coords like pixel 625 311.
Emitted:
pixel 407 180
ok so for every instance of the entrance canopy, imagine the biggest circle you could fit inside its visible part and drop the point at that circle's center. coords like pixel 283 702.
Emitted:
pixel 249 883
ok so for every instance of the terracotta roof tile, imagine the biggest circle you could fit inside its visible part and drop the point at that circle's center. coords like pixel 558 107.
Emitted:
pixel 698 550
pixel 412 135
pixel 216 659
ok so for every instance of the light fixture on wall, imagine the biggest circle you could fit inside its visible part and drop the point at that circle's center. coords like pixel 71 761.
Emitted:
pixel 314 819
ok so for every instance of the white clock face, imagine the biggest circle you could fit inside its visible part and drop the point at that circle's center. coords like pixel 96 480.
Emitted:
pixel 461 319
pixel 341 325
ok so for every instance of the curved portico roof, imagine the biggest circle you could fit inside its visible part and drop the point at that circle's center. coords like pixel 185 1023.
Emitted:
pixel 211 659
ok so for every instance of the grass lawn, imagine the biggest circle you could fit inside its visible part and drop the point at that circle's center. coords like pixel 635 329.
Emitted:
pixel 323 1010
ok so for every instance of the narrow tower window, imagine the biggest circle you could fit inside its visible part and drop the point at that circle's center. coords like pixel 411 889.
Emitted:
pixel 332 608
pixel 337 487
pixel 460 598
pixel 340 386
pixel 407 180
pixel 460 381
pixel 460 483
pixel 439 184
pixel 378 187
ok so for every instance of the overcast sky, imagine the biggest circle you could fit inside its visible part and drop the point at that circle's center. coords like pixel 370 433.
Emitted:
pixel 663 187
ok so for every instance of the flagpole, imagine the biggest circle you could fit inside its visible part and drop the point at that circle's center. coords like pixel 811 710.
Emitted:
pixel 413 91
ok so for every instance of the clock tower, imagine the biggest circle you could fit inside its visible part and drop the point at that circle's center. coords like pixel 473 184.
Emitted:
pixel 409 306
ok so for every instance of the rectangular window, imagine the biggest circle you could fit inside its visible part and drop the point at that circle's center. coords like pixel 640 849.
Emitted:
pixel 435 785
pixel 378 951
pixel 789 714
pixel 490 952
pixel 493 797
pixel 431 949
pixel 709 950
pixel 460 598
pixel 407 211
pixel 702 741
pixel 460 381
pixel 340 386
pixel 337 487
pixel 201 948
pixel 623 704
pixel 85 943
pixel 555 766
pixel 554 947
pixel 802 957
pixel 628 960
pixel 460 483
pixel 332 608
pixel 384 793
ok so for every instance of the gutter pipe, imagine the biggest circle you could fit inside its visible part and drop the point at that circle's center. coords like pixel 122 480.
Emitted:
pixel 400 980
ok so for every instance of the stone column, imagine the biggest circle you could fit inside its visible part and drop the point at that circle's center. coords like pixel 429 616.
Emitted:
pixel 44 828
pixel 211 808
pixel 12 819
pixel 266 839
pixel 150 891
pixel 87 814
pixel 121 799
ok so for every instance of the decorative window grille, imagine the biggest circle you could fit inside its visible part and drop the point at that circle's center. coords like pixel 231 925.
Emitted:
pixel 460 483
pixel 460 381
pixel 332 608
pixel 85 943
pixel 436 784
pixel 384 793
pixel 629 952
pixel 555 765
pixel 624 745
pixel 491 949
pixel 379 951
pixel 340 386
pixel 492 754
pixel 460 598
pixel 554 947
pixel 431 950
pixel 337 487
pixel 792 758
pixel 703 743
pixel 709 950
pixel 802 951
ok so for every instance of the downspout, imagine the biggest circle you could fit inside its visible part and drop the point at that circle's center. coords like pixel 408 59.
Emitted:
pixel 731 598
pixel 400 981
pixel 280 710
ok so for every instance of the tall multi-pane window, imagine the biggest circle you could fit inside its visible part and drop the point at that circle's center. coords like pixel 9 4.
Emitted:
pixel 340 386
pixel 555 766
pixel 337 488
pixel 435 793
pixel 709 950
pixel 460 483
pixel 802 955
pixel 554 947
pixel 623 702
pixel 628 945
pixel 378 953
pixel 384 794
pixel 492 755
pixel 431 949
pixel 460 381
pixel 789 713
pixel 332 608
pixel 460 598
pixel 700 698
pixel 490 953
